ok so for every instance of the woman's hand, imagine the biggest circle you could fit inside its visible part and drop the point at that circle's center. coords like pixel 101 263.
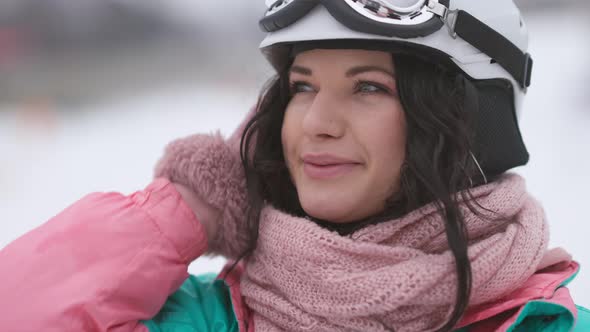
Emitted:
pixel 206 213
pixel 208 168
pixel 208 171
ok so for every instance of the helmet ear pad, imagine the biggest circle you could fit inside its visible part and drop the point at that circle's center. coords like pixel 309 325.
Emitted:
pixel 498 144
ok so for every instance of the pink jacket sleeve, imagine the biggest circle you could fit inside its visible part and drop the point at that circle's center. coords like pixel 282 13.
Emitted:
pixel 102 264
pixel 546 286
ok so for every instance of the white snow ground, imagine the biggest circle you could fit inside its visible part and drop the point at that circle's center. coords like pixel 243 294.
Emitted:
pixel 113 147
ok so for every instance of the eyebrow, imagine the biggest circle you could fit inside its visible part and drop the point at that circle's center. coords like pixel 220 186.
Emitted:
pixel 300 70
pixel 350 73
pixel 363 69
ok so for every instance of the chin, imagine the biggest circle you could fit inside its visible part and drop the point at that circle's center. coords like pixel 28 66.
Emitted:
pixel 329 211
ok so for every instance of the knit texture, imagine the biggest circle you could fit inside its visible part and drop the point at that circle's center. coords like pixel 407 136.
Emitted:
pixel 398 275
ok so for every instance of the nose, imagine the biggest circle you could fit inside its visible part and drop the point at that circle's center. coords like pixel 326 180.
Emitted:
pixel 324 118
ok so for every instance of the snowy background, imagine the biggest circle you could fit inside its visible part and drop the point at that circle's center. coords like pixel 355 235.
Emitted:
pixel 91 93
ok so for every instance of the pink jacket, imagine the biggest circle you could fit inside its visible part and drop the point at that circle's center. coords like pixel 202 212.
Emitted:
pixel 110 260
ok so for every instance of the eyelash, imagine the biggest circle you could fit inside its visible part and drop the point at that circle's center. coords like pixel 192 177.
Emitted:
pixel 293 87
pixel 380 88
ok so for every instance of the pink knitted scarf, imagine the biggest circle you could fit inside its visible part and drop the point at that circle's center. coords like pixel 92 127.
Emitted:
pixel 398 275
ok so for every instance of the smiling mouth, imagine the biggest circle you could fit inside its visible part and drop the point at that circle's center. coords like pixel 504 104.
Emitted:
pixel 317 171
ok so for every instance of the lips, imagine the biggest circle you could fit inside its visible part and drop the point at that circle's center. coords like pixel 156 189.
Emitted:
pixel 323 166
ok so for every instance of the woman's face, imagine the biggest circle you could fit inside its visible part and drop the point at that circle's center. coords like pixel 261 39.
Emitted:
pixel 344 133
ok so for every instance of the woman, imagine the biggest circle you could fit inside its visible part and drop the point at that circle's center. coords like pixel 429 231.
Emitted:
pixel 367 191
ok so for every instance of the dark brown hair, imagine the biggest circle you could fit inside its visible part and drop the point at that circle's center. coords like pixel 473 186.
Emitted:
pixel 438 162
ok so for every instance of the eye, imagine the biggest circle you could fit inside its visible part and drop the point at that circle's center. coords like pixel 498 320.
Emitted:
pixel 300 87
pixel 370 87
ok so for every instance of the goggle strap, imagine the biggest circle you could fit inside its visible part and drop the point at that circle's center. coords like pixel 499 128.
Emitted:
pixel 496 46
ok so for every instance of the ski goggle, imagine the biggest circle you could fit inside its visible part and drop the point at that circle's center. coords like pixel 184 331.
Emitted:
pixel 399 18
pixel 407 19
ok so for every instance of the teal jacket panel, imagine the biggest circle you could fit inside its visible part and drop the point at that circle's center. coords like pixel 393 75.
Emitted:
pixel 551 317
pixel 201 304
pixel 583 324
pixel 541 316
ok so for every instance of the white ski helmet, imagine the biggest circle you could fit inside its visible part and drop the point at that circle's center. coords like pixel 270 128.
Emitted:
pixel 487 41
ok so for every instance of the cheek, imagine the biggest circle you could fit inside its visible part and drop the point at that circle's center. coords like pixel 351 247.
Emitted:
pixel 386 144
pixel 395 134
pixel 289 135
